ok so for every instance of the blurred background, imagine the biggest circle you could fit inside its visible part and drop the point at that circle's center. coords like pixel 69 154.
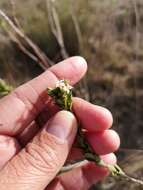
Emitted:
pixel 109 35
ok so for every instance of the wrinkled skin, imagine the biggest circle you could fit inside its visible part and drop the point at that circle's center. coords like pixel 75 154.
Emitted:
pixel 36 138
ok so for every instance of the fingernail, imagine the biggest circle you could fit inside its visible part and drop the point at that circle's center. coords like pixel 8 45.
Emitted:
pixel 63 125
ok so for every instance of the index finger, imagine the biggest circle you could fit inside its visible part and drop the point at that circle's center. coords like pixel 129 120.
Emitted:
pixel 18 109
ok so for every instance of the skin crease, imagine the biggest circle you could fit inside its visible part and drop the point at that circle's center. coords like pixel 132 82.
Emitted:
pixel 36 138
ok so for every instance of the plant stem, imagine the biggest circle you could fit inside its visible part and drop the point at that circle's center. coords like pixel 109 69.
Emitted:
pixel 62 95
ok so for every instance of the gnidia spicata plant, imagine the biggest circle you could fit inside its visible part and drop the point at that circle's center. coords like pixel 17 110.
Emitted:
pixel 62 96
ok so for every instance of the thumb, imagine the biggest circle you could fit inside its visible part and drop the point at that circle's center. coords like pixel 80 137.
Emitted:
pixel 39 162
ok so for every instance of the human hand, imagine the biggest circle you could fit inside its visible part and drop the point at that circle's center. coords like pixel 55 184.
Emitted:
pixel 36 138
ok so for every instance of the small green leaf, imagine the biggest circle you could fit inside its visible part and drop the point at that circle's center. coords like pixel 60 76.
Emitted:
pixel 5 88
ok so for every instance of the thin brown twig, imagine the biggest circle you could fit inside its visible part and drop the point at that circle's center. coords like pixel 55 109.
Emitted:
pixel 44 60
pixel 71 166
pixel 56 26
pixel 83 84
pixel 22 48
pixel 16 21
pixel 76 25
